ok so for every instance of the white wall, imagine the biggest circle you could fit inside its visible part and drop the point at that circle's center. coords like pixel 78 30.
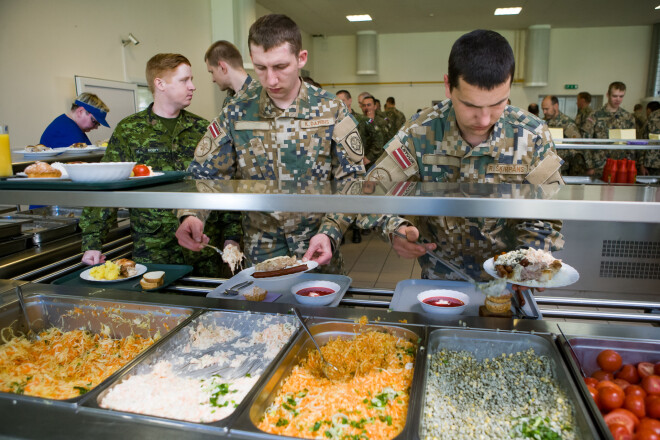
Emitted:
pixel 43 44
pixel 589 57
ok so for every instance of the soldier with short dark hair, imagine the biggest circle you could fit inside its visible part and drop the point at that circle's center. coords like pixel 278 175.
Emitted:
pixel 533 108
pixel 473 136
pixel 163 136
pixel 225 64
pixel 397 118
pixel 584 119
pixel 262 137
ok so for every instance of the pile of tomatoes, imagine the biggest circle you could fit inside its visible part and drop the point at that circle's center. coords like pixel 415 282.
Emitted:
pixel 628 396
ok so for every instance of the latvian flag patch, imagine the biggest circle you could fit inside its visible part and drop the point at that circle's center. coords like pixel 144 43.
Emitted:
pixel 214 128
pixel 403 157
pixel 402 188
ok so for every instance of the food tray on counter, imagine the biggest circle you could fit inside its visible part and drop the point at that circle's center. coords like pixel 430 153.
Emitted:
pixel 14 244
pixel 485 344
pixel 178 380
pixel 111 318
pixel 68 185
pixel 284 288
pixel 405 298
pixel 172 273
pixel 323 331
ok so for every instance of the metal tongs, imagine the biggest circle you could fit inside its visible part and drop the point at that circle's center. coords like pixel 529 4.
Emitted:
pixel 460 273
pixel 32 335
pixel 325 364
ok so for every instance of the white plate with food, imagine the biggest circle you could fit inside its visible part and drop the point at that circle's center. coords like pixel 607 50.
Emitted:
pixel 139 270
pixel 279 269
pixel 81 150
pixel 153 174
pixel 564 276
pixel 47 153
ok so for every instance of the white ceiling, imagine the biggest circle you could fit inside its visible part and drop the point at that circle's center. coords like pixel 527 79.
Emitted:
pixel 328 17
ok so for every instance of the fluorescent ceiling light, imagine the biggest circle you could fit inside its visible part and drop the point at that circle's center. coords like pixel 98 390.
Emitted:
pixel 508 11
pixel 364 17
pixel 657 7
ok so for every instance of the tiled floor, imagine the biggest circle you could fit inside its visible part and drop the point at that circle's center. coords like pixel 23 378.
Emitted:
pixel 374 264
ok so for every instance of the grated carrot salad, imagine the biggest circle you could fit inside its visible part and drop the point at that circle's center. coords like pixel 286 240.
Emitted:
pixel 62 365
pixel 367 400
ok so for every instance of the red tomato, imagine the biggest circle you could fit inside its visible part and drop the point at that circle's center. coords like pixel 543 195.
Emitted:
pixel 610 398
pixel 141 170
pixel 635 390
pixel 624 417
pixel 652 406
pixel 656 369
pixel 645 369
pixel 649 424
pixel 608 384
pixel 628 372
pixel 622 383
pixel 594 395
pixel 591 381
pixel 651 384
pixel 609 360
pixel 646 434
pixel 602 375
pixel 619 431
pixel 636 405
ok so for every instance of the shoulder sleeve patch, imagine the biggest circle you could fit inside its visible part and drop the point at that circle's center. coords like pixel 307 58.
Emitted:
pixel 547 171
pixel 343 128
pixel 402 156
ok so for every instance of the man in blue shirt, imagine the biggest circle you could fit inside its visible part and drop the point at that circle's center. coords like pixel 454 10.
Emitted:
pixel 86 114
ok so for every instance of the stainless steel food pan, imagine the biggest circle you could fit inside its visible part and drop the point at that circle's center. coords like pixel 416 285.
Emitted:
pixel 43 231
pixel 191 361
pixel 9 229
pixel 14 244
pixel 246 425
pixel 119 319
pixel 489 344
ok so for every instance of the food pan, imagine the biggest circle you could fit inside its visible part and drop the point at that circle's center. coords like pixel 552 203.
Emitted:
pixel 111 318
pixel 632 351
pixel 183 379
pixel 43 231
pixel 323 331
pixel 490 344
pixel 9 229
pixel 13 245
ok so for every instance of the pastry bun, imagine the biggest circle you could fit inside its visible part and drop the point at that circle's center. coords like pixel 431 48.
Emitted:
pixel 42 169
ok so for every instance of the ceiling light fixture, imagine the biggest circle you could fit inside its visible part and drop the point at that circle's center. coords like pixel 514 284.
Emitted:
pixel 657 7
pixel 508 11
pixel 364 17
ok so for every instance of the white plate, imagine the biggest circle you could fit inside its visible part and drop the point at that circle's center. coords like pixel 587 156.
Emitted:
pixel 310 265
pixel 140 270
pixel 25 177
pixel 566 276
pixel 48 153
pixel 154 174
pixel 85 150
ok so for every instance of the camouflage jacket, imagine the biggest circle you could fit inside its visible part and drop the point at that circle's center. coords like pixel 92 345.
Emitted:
pixel 385 123
pixel 372 137
pixel 606 120
pixel 143 138
pixel 651 158
pixel 563 121
pixel 248 86
pixel 397 119
pixel 585 122
pixel 431 149
pixel 315 139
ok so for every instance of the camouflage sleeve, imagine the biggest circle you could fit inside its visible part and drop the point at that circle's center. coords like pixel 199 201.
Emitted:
pixel 571 131
pixel 600 130
pixel 588 127
pixel 215 158
pixel 538 234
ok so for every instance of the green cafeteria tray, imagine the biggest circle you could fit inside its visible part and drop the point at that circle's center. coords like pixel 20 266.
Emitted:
pixel 172 273
pixel 68 185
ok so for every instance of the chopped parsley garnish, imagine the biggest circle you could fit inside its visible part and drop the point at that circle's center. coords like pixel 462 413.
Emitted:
pixel 282 422
pixel 537 428
pixel 316 427
pixel 81 390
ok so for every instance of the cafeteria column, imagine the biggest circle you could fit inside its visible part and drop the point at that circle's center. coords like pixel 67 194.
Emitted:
pixel 5 152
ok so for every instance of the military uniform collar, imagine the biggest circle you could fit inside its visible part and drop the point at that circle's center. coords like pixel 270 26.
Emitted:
pixel 299 109
pixel 183 120
pixel 453 143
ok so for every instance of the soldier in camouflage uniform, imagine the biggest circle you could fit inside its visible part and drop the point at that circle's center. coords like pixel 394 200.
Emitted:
pixel 164 140
pixel 650 159
pixel 396 117
pixel 384 120
pixel 574 163
pixel 377 126
pixel 584 119
pixel 474 136
pixel 289 131
pixel 610 116
pixel 225 64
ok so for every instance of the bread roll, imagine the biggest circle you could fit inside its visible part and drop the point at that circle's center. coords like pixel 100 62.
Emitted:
pixel 41 170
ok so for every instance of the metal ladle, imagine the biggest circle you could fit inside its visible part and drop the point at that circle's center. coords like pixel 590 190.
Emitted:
pixel 334 369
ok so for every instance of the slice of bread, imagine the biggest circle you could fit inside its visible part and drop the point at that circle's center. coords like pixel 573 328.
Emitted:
pixel 157 277
pixel 148 286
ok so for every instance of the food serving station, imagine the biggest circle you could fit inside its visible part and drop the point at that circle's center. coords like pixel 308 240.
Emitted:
pixel 559 349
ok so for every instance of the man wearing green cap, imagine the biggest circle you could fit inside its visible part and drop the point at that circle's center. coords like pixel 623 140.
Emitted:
pixel 86 114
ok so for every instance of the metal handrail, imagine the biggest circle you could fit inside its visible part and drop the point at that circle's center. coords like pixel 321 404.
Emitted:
pixel 592 302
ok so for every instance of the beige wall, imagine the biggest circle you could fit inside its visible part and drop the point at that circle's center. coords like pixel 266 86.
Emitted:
pixel 589 57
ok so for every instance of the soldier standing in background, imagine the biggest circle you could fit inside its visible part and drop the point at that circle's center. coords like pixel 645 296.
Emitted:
pixel 584 119
pixel 225 64
pixel 473 136
pixel 164 137
pixel 649 162
pixel 639 113
pixel 533 108
pixel 397 118
pixel 375 149
pixel 610 116
pixel 574 164
pixel 261 137
pixel 386 119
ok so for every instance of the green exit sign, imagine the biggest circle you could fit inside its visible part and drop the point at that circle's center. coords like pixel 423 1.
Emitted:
pixel 570 86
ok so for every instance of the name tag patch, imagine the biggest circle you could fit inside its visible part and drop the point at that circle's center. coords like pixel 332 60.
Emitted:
pixel 500 168
pixel 317 123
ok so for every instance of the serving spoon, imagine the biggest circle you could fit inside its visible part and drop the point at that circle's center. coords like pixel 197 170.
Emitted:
pixel 334 369
pixel 32 335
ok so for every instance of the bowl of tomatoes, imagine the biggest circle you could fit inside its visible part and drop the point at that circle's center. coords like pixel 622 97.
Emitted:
pixel 623 380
